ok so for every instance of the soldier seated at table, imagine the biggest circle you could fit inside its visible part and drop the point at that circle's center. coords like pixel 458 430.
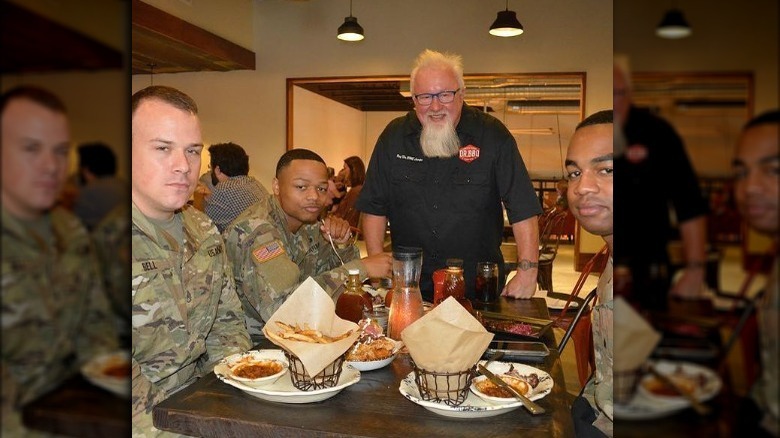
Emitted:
pixel 589 162
pixel 756 187
pixel 55 315
pixel 185 312
pixel 276 244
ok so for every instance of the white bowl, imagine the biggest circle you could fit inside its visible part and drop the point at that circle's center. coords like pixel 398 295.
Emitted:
pixel 373 364
pixel 257 357
pixel 370 365
pixel 478 382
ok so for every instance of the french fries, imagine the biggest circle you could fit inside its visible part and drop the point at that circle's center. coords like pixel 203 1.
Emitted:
pixel 307 334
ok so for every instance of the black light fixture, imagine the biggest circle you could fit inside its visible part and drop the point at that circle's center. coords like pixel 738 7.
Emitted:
pixel 506 24
pixel 673 25
pixel 350 30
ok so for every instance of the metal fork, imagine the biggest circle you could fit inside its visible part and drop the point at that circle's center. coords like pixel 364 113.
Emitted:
pixel 330 239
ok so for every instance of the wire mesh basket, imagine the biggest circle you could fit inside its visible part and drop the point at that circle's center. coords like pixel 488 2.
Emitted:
pixel 448 388
pixel 624 385
pixel 327 378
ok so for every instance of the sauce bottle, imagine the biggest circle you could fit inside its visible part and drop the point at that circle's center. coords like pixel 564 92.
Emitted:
pixel 454 284
pixel 354 300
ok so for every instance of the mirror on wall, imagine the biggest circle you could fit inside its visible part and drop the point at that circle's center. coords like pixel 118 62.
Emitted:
pixel 343 116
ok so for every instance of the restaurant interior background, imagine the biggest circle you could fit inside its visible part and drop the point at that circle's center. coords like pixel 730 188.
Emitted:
pixel 263 44
pixel 297 39
pixel 79 50
pixel 707 85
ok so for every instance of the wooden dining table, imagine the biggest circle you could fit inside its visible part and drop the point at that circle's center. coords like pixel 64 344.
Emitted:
pixel 80 409
pixel 373 407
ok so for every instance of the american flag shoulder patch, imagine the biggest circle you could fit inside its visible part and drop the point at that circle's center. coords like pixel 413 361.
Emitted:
pixel 268 251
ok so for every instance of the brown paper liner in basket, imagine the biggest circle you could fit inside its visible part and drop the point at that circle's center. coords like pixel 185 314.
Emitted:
pixel 448 388
pixel 327 378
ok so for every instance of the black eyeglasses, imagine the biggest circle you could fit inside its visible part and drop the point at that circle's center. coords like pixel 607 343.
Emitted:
pixel 426 99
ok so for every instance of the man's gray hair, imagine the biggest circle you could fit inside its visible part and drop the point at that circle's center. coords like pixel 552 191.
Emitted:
pixel 431 58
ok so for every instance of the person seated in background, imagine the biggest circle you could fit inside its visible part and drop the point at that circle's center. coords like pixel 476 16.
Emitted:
pixel 234 190
pixel 336 192
pixel 55 316
pixel 100 189
pixel 589 165
pixel 276 244
pixel 756 168
pixel 202 191
pixel 186 315
pixel 354 174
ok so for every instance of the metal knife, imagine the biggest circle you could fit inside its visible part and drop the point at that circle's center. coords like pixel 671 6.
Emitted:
pixel 695 403
pixel 532 407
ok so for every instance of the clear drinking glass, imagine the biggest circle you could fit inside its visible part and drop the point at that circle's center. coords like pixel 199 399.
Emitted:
pixel 486 284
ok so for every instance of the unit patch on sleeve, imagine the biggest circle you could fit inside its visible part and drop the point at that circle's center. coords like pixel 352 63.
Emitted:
pixel 268 251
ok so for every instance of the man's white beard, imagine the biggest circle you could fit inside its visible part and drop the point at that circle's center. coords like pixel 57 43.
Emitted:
pixel 439 140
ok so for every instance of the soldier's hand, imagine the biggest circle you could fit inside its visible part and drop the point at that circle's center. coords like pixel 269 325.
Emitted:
pixel 379 265
pixel 337 228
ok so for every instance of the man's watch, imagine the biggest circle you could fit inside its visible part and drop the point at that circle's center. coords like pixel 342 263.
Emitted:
pixel 526 264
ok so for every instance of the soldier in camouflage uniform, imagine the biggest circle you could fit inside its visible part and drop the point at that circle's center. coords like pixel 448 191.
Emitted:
pixel 756 186
pixel 589 162
pixel 112 245
pixel 185 312
pixel 276 244
pixel 54 312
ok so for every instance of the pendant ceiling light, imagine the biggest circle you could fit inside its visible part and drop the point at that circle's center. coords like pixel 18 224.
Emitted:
pixel 673 25
pixel 350 30
pixel 506 24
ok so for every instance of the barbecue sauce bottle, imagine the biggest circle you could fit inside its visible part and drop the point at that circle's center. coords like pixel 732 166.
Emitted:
pixel 454 284
pixel 354 300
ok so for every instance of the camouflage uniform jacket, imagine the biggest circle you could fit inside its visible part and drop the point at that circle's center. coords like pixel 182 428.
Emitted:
pixel 112 245
pixel 603 340
pixel 269 261
pixel 185 312
pixel 765 391
pixel 55 315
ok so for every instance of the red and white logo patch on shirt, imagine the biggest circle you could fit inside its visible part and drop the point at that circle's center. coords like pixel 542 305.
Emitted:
pixel 468 153
pixel 636 153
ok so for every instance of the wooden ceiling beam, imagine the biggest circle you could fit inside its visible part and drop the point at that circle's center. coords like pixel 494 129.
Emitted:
pixel 33 43
pixel 164 43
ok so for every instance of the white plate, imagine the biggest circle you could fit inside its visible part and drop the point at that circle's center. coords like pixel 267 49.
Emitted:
pixel 376 364
pixel 283 391
pixel 647 406
pixel 710 388
pixel 474 406
pixel 92 370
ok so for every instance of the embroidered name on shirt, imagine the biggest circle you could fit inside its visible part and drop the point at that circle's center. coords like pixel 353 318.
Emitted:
pixel 268 251
pixel 468 153
pixel 217 250
pixel 407 158
pixel 148 266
